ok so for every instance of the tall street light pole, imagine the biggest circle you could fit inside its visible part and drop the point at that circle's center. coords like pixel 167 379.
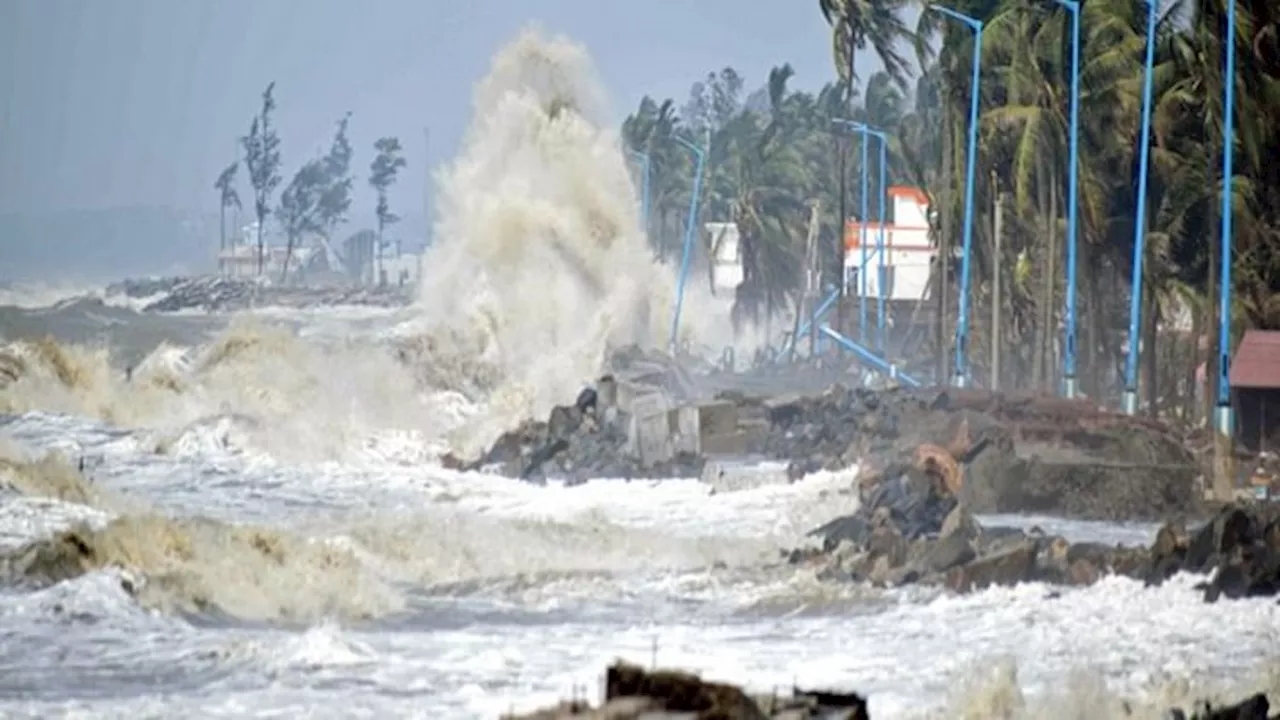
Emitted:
pixel 690 225
pixel 880 248
pixel 865 130
pixel 960 373
pixel 1073 161
pixel 1140 223
pixel 862 244
pixel 1224 480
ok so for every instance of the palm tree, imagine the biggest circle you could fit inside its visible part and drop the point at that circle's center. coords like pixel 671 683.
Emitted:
pixel 859 24
pixel 227 197
pixel 775 156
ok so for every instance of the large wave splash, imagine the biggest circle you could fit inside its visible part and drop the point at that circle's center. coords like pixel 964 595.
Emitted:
pixel 541 264
pixel 255 388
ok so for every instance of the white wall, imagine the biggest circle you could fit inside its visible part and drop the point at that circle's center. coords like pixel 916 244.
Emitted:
pixel 907 253
pixel 726 265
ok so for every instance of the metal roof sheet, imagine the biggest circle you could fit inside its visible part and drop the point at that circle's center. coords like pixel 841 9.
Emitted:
pixel 1257 361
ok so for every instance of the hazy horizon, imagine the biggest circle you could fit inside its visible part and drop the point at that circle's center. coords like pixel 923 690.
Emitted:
pixel 136 105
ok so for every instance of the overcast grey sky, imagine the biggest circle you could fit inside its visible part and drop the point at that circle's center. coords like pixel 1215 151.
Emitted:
pixel 108 103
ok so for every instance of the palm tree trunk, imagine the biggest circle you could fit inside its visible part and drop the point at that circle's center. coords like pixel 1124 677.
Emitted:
pixel 1209 387
pixel 261 253
pixel 1150 348
pixel 378 280
pixel 1193 364
pixel 1093 316
pixel 944 248
pixel 288 255
pixel 1048 293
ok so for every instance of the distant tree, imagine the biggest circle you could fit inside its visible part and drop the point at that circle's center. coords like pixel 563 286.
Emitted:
pixel 299 210
pixel 262 157
pixel 335 199
pixel 382 175
pixel 228 197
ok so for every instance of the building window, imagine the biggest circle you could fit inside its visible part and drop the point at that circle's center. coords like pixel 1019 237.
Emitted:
pixel 851 286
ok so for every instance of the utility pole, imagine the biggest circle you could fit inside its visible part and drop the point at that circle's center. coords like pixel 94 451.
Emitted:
pixel 841 225
pixel 996 299
pixel 812 280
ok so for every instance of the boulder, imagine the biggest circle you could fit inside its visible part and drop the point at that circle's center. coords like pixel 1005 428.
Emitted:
pixel 1007 567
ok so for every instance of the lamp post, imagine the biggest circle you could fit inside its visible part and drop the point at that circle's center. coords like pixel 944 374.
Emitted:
pixel 883 137
pixel 960 377
pixel 1069 341
pixel 1140 223
pixel 1223 414
pixel 880 249
pixel 691 223
pixel 643 157
pixel 862 247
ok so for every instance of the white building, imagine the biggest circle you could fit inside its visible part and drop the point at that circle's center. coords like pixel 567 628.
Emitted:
pixel 725 255
pixel 908 255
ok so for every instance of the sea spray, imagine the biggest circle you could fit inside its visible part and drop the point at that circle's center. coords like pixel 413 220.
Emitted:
pixel 541 264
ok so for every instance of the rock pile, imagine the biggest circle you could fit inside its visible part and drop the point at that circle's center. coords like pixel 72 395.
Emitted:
pixel 223 294
pixel 911 528
pixel 575 443
pixel 1038 455
pixel 633 693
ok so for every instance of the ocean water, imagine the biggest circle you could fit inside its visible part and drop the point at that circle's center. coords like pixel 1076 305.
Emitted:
pixel 272 534
pixel 469 595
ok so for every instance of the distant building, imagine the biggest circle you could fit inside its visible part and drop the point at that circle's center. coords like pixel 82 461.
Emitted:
pixel 1254 376
pixel 725 256
pixel 908 254
pixel 240 259
pixel 404 268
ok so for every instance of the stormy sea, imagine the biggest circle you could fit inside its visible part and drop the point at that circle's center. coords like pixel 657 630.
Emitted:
pixel 245 514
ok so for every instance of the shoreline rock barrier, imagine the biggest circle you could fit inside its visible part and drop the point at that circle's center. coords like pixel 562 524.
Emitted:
pixel 1003 454
pixel 635 693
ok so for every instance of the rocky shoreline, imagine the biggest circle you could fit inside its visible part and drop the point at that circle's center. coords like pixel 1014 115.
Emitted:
pixel 634 693
pixel 225 294
pixel 1005 454
pixel 912 529
pixel 931 461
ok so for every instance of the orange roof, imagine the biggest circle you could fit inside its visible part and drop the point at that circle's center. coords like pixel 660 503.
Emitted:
pixel 914 193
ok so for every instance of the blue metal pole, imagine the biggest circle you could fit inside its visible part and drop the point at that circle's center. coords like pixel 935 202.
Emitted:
pixel 808 323
pixel 862 242
pixel 1140 222
pixel 960 378
pixel 866 130
pixel 1073 163
pixel 880 249
pixel 1224 283
pixel 869 358
pixel 690 224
